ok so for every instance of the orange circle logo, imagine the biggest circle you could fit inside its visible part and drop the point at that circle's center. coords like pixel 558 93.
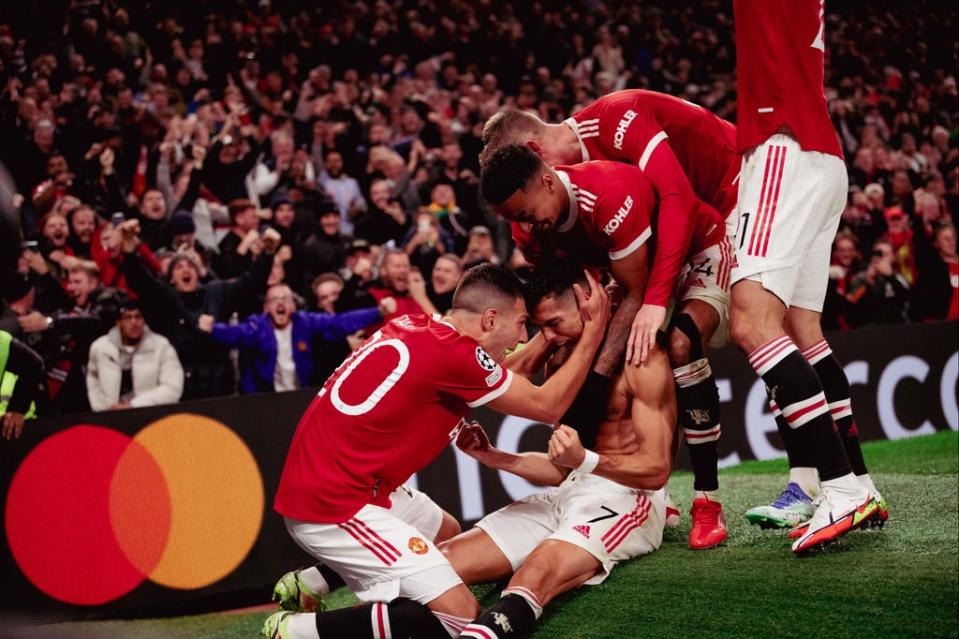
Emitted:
pixel 418 546
pixel 180 503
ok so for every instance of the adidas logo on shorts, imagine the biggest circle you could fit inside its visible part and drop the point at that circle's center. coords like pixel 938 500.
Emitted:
pixel 583 530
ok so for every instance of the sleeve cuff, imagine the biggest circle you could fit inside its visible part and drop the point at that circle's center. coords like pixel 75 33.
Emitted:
pixel 631 248
pixel 496 392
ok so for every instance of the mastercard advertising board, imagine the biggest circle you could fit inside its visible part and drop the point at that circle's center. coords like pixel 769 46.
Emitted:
pixel 142 510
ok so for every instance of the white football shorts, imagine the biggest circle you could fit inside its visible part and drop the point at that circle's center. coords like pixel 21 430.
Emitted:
pixel 384 554
pixel 610 521
pixel 790 204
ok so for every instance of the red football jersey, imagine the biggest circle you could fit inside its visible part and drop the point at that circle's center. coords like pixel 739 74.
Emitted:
pixel 384 414
pixel 574 245
pixel 655 131
pixel 614 204
pixel 780 47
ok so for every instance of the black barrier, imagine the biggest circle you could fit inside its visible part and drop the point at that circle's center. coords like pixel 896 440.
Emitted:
pixel 904 384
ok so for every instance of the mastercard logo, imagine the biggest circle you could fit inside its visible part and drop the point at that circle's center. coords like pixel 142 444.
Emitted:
pixel 92 513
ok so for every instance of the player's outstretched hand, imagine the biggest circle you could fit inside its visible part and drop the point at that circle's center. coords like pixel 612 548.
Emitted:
pixel 565 449
pixel 593 304
pixel 642 334
pixel 472 439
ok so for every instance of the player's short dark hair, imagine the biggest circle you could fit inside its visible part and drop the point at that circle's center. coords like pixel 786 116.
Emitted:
pixel 510 168
pixel 486 286
pixel 552 277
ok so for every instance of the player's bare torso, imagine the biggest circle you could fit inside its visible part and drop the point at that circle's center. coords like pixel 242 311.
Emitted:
pixel 617 433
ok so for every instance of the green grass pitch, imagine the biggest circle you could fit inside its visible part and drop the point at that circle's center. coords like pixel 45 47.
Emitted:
pixel 901 581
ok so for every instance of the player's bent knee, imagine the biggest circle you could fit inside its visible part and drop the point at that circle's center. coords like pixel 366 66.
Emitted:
pixel 541 571
pixel 451 548
pixel 680 348
pixel 534 575
pixel 457 601
pixel 554 567
pixel 449 528
pixel 743 332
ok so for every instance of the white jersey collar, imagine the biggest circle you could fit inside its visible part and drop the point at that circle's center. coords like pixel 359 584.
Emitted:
pixel 573 206
pixel 574 125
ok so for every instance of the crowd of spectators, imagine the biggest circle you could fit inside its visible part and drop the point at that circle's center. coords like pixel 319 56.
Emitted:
pixel 277 178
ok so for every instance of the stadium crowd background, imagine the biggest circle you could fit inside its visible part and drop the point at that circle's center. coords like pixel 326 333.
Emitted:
pixel 352 130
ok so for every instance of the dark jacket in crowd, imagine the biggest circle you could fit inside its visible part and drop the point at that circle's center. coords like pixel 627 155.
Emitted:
pixel 68 345
pixel 323 253
pixel 377 227
pixel 933 290
pixel 883 301
pixel 228 181
pixel 206 363
pixel 228 263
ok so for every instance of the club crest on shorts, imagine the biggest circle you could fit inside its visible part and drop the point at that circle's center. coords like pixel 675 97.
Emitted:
pixel 485 360
pixel 418 546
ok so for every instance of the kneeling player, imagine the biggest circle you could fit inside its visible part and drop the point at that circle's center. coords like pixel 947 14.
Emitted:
pixel 608 506
pixel 303 590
